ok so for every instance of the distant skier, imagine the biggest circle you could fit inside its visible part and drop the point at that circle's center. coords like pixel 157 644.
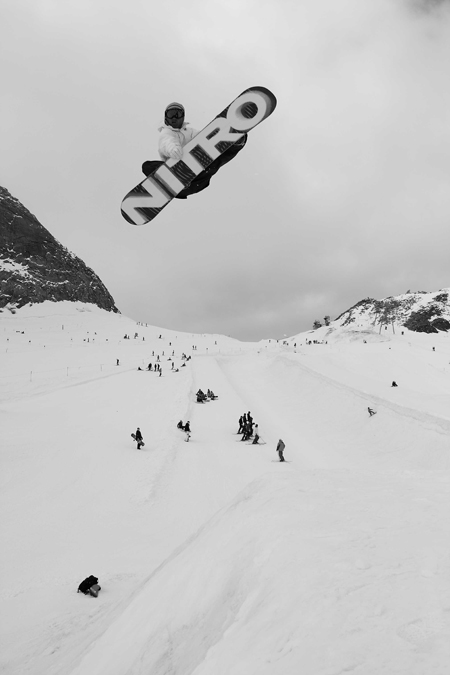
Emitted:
pixel 371 412
pixel 280 449
pixel 175 133
pixel 139 438
pixel 256 432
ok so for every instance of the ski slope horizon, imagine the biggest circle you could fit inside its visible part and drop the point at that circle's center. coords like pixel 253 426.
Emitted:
pixel 212 556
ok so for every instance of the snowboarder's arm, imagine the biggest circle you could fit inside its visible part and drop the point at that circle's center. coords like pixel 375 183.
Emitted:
pixel 169 145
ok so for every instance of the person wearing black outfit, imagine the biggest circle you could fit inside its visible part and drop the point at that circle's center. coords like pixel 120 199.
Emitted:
pixel 139 438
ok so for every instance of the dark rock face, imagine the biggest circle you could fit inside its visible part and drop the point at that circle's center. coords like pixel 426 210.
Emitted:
pixel 34 267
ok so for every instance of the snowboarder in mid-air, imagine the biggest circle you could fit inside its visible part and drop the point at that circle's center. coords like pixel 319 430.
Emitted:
pixel 174 134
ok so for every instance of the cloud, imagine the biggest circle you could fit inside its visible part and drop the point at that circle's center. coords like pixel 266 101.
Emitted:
pixel 341 194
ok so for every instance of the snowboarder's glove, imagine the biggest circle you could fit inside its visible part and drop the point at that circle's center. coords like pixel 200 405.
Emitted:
pixel 176 153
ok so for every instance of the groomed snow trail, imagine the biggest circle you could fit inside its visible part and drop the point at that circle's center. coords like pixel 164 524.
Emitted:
pixel 213 557
pixel 331 561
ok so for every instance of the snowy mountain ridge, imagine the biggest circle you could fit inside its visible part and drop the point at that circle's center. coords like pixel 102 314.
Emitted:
pixel 422 312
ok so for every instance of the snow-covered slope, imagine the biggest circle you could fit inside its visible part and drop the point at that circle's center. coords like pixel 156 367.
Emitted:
pixel 213 557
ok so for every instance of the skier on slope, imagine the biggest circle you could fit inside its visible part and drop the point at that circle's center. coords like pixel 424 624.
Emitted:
pixel 280 450
pixel 174 134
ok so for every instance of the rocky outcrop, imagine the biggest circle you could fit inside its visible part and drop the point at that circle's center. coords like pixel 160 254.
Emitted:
pixel 420 311
pixel 35 267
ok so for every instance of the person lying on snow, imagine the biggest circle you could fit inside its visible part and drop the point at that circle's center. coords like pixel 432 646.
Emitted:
pixel 174 134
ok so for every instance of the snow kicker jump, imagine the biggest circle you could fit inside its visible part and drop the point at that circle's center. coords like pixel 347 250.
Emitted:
pixel 148 198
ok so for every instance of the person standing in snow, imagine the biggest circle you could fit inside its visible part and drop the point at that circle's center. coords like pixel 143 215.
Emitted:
pixel 241 424
pixel 256 432
pixel 280 450
pixel 139 438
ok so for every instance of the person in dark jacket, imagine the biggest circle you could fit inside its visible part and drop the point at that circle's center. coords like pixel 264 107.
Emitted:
pixel 280 449
pixel 139 438
pixel 89 586
pixel 241 424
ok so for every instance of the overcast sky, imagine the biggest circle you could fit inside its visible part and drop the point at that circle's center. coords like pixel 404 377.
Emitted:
pixel 343 193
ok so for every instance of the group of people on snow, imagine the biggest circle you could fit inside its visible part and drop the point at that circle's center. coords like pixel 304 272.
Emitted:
pixel 186 428
pixel 209 396
pixel 246 427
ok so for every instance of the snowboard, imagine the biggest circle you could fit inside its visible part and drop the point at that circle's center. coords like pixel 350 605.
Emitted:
pixel 154 193
pixel 94 590
pixel 133 436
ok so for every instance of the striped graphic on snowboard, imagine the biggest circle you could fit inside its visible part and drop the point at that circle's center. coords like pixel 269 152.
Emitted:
pixel 148 198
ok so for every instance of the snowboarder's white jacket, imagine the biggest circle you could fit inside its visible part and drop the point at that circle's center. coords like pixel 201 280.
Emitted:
pixel 172 141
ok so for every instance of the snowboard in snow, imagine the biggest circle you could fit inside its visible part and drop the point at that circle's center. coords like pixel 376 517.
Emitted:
pixel 133 436
pixel 153 194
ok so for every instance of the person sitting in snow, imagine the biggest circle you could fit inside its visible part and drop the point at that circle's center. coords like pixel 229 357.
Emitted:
pixel 180 425
pixel 201 398
pixel 89 586
pixel 394 384
pixel 175 133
